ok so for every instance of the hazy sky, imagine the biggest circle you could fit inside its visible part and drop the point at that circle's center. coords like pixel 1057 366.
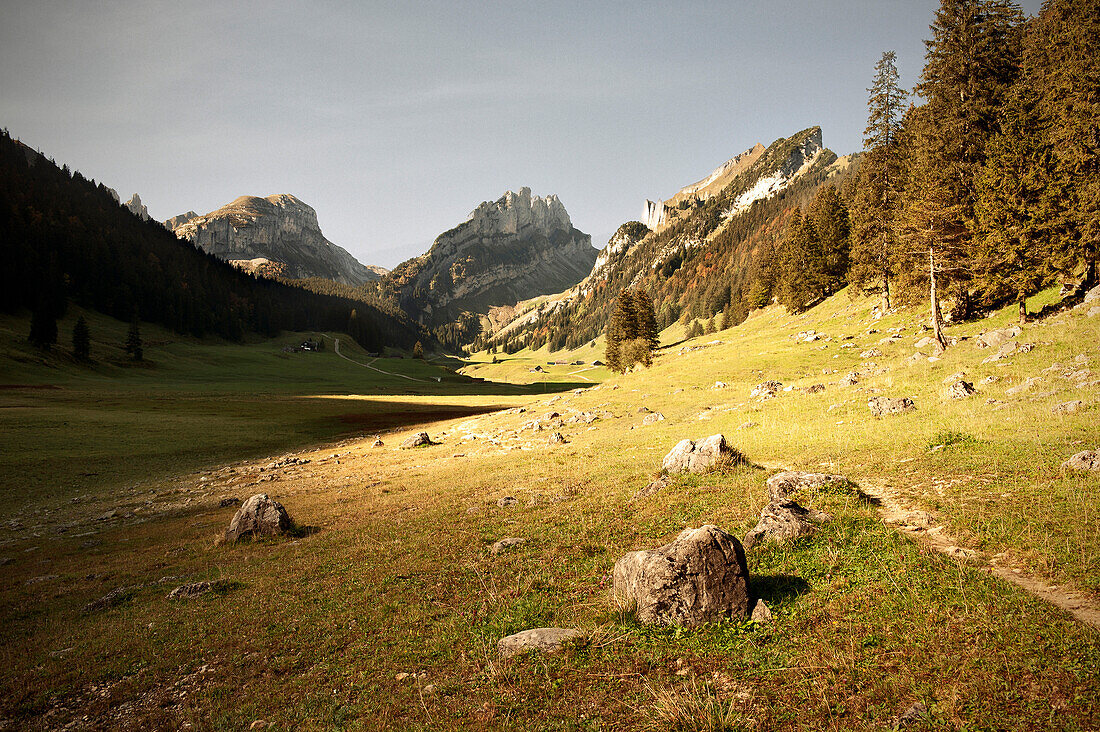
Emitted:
pixel 394 120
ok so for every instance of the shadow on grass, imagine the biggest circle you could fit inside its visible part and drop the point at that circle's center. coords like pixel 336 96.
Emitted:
pixel 777 589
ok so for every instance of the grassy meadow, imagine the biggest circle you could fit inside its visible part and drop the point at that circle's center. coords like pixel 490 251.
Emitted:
pixel 385 614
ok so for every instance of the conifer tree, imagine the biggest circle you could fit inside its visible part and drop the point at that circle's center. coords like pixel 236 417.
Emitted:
pixel 972 60
pixel 647 320
pixel 82 339
pixel 133 340
pixel 1061 66
pixel 830 223
pixel 878 191
pixel 418 350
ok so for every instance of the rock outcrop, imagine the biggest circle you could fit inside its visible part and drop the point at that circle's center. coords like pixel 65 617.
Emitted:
pixel 137 208
pixel 259 516
pixel 689 456
pixel 883 406
pixel 506 251
pixel 542 640
pixel 278 228
pixel 700 577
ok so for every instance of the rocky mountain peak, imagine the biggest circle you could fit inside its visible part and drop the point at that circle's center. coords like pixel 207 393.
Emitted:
pixel 137 208
pixel 280 228
pixel 513 212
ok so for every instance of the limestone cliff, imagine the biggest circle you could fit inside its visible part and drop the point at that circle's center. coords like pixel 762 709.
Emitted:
pixel 506 251
pixel 278 228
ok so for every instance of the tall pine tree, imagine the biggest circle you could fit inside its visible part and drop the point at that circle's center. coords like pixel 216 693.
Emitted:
pixel 82 339
pixel 874 210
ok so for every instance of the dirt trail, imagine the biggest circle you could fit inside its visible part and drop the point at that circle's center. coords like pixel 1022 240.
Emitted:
pixel 336 349
pixel 922 526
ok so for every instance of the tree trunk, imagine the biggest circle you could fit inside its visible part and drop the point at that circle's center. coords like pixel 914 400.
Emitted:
pixel 885 279
pixel 937 324
pixel 1023 309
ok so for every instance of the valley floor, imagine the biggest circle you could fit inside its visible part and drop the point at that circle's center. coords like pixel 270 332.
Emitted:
pixel 385 611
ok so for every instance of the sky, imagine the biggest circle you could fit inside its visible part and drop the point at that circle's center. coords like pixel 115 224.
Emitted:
pixel 394 120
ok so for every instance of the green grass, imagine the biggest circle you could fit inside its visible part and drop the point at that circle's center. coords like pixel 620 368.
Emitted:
pixel 398 578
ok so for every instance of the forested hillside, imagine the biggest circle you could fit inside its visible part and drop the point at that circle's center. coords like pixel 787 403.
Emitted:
pixel 64 238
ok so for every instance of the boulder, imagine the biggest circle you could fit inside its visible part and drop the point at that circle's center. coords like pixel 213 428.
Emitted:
pixel 185 592
pixel 378 442
pixel 960 389
pixel 544 640
pixel 508 543
pixel 994 338
pixel 420 439
pixel 259 516
pixel 1085 460
pixel 851 379
pixel 1070 407
pixel 557 438
pixel 698 457
pixel 871 353
pixel 882 406
pixel 700 577
pixel 506 502
pixel 652 418
pixel 815 388
pixel 227 502
pixel 766 390
pixel 783 485
pixel 783 520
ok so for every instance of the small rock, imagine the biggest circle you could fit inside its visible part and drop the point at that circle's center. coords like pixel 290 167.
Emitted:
pixel 508 543
pixel 186 592
pixel 1027 384
pixel 116 596
pixel 911 716
pixel 689 456
pixel 994 338
pixel 882 406
pixel 719 385
pixel 1085 460
pixel 747 425
pixel 783 520
pixel 761 613
pixel 653 418
pixel 420 439
pixel 815 388
pixel 652 488
pixel 506 502
pixel 227 502
pixel 557 438
pixel 960 390
pixel 700 577
pixel 259 516
pixel 850 379
pixel 1070 407
pixel 766 390
pixel 401 676
pixel 378 442
pixel 543 640
pixel 871 353
pixel 784 485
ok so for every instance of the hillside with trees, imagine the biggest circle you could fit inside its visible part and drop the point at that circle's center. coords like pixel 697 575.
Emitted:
pixel 65 239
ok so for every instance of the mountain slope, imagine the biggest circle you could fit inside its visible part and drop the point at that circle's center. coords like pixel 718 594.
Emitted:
pixel 506 251
pixel 705 253
pixel 64 238
pixel 279 228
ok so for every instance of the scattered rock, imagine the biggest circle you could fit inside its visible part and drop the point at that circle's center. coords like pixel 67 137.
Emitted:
pixel 506 502
pixel 766 390
pixel 692 457
pixel 719 385
pixel 259 516
pixel 954 377
pixel 915 714
pixel 960 390
pixel 782 486
pixel 115 597
pixel 652 418
pixel 989 380
pixel 378 442
pixel 924 342
pixel 1027 384
pixel 227 502
pixel 543 640
pixel 557 438
pixel 815 388
pixel 747 425
pixel 1070 407
pixel 783 520
pixel 186 592
pixel 994 338
pixel 850 379
pixel 882 406
pixel 420 439
pixel 508 543
pixel 1085 460
pixel 652 488
pixel 699 577
pixel 871 353
pixel 761 613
